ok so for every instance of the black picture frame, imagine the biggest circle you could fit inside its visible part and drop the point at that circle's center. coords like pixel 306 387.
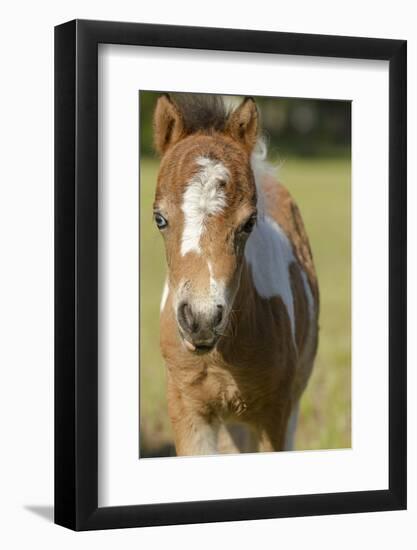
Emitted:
pixel 76 272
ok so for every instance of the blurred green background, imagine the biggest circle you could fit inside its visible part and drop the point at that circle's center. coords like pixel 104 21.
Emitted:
pixel 309 141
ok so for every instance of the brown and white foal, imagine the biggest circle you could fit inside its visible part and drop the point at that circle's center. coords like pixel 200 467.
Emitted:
pixel 239 312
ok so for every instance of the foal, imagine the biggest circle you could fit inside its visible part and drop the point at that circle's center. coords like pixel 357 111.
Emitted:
pixel 239 311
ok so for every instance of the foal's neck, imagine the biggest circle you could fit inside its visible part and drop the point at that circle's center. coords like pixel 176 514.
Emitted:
pixel 244 310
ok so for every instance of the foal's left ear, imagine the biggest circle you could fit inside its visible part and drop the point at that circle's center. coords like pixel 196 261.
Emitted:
pixel 168 125
pixel 243 123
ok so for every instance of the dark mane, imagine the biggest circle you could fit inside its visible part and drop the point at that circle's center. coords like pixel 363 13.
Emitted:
pixel 201 111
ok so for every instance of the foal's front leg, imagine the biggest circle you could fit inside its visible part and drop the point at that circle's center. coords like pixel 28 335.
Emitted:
pixel 272 429
pixel 193 433
pixel 194 436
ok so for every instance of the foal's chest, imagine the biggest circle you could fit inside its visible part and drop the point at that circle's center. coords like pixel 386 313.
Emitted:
pixel 232 396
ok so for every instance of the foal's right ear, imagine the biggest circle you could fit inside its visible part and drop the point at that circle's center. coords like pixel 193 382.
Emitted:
pixel 168 125
pixel 243 123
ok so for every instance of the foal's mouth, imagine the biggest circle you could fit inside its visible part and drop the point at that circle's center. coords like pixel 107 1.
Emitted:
pixel 199 348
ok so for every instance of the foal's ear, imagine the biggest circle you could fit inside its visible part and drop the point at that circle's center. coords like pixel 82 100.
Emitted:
pixel 243 123
pixel 168 126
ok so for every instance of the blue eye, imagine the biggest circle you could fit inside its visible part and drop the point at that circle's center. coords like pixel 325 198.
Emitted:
pixel 160 221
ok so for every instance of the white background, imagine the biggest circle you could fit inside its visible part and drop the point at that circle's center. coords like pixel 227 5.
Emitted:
pixel 123 479
pixel 26 299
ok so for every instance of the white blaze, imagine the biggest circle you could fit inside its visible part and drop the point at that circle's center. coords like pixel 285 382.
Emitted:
pixel 203 196
pixel 217 288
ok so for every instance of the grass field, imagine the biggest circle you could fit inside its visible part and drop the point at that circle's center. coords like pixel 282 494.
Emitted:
pixel 322 191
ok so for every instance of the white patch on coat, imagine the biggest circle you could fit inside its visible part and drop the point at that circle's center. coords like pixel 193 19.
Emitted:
pixel 291 428
pixel 269 253
pixel 164 297
pixel 307 290
pixel 204 196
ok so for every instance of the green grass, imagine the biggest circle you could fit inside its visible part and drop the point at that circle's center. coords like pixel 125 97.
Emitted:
pixel 322 191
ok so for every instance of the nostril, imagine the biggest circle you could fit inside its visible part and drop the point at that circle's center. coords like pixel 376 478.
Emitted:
pixel 186 317
pixel 188 314
pixel 219 316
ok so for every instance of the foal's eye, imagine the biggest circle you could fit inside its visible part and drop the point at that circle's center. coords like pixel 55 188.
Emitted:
pixel 160 221
pixel 249 225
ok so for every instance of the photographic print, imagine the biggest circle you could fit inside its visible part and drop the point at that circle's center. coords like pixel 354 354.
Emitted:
pixel 245 260
pixel 216 302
